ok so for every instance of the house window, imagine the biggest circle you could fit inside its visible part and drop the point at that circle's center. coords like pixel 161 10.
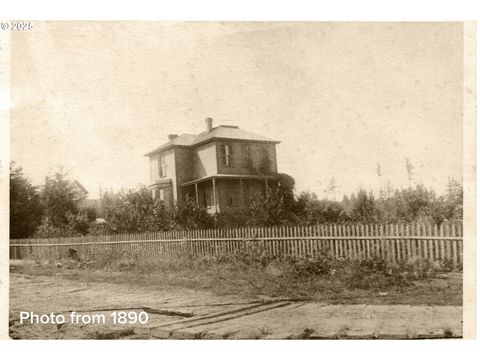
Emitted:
pixel 227 155
pixel 162 167
pixel 162 195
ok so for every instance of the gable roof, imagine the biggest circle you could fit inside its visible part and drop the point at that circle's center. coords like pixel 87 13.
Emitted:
pixel 79 186
pixel 182 140
pixel 230 132
pixel 219 132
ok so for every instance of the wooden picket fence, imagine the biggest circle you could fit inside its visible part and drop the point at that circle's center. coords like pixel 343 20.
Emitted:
pixel 396 243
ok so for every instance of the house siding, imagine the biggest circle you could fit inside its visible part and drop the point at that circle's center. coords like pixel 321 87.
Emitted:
pixel 170 174
pixel 248 158
pixel 204 160
pixel 167 193
pixel 183 168
pixel 170 166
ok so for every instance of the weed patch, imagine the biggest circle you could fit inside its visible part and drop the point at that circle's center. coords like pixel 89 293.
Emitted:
pixel 250 271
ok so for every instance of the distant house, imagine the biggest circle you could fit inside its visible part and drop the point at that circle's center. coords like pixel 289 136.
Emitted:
pixel 81 198
pixel 79 190
pixel 222 167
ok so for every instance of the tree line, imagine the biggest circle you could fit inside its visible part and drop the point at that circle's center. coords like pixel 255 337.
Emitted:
pixel 57 208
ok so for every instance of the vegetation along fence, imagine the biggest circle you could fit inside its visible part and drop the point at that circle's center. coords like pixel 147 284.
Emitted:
pixel 394 243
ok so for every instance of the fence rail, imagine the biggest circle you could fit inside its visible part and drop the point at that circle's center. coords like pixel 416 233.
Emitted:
pixel 394 243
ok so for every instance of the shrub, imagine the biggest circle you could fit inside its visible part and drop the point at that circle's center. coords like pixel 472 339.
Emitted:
pixel 447 265
pixel 133 211
pixel 321 264
pixel 418 268
pixel 188 214
pixel 232 217
pixel 372 274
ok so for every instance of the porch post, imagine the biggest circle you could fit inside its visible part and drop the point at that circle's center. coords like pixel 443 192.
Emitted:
pixel 196 193
pixel 242 202
pixel 266 187
pixel 214 194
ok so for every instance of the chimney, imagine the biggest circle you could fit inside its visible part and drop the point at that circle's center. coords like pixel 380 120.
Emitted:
pixel 208 123
pixel 172 136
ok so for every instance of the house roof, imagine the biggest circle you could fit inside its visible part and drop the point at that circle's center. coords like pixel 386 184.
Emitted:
pixel 79 186
pixel 182 140
pixel 219 132
pixel 230 132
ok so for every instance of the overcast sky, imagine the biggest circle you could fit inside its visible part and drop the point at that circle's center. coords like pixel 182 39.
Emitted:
pixel 341 97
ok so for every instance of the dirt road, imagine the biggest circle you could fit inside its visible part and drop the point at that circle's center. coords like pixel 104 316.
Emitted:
pixel 183 313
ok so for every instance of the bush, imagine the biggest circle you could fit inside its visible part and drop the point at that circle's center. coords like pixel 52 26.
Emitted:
pixel 418 268
pixel 321 264
pixel 447 265
pixel 133 211
pixel 372 274
pixel 232 217
pixel 76 225
pixel 189 215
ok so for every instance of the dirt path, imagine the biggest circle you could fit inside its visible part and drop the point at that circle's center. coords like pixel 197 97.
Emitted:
pixel 184 313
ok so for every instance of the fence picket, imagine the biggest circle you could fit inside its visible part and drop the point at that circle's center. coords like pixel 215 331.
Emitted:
pixel 454 246
pixel 441 242
pixel 460 245
pixel 447 244
pixel 436 242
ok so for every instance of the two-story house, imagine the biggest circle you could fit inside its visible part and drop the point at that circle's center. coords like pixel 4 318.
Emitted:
pixel 222 167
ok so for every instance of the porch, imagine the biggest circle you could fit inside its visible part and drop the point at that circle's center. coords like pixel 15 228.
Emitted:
pixel 219 192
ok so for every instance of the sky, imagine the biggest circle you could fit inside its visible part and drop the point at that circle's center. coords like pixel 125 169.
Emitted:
pixel 93 97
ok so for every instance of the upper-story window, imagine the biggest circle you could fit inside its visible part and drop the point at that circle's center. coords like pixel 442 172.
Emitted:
pixel 227 155
pixel 162 167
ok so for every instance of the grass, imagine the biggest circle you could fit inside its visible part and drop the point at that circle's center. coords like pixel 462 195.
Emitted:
pixel 253 274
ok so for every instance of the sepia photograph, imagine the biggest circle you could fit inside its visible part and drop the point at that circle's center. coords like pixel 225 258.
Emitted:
pixel 240 180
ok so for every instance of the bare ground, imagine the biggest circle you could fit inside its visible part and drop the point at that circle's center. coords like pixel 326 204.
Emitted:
pixel 180 309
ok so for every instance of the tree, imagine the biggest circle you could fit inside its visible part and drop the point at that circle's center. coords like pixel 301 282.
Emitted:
pixel 285 189
pixel 25 206
pixel 364 208
pixel 450 206
pixel 133 210
pixel 60 198
pixel 318 211
pixel 410 168
pixel 268 210
pixel 332 185
pixel 454 199
pixel 77 225
pixel 413 203
pixel 381 192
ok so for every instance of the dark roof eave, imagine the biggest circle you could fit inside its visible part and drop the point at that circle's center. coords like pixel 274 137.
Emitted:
pixel 158 150
pixel 245 140
pixel 231 177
